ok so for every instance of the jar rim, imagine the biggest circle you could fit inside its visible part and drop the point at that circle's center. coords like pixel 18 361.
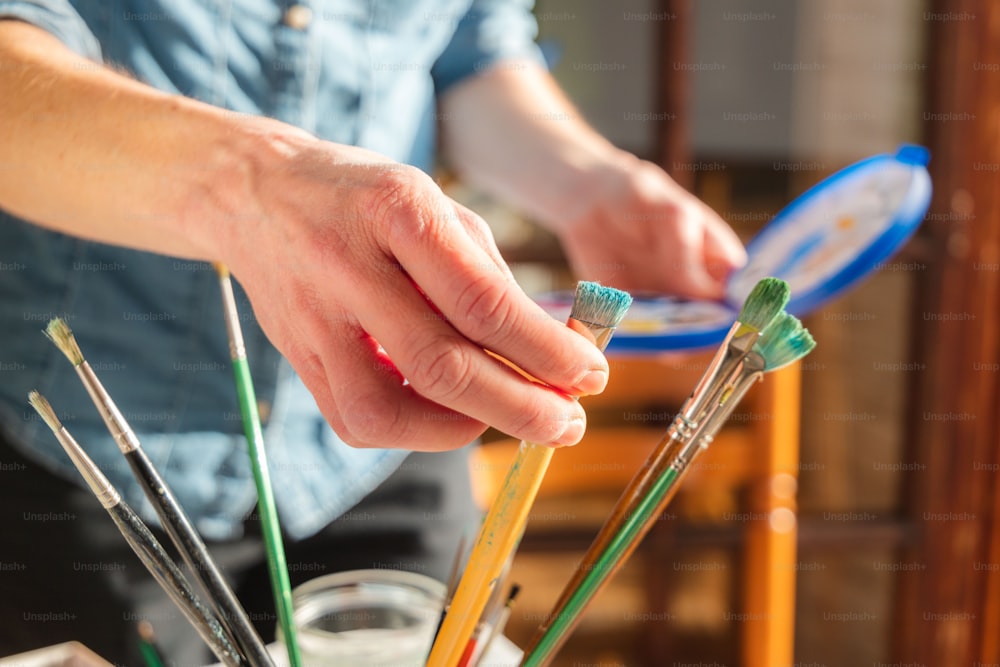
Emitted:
pixel 348 578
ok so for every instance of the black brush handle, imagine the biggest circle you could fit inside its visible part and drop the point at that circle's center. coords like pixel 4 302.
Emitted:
pixel 196 555
pixel 170 578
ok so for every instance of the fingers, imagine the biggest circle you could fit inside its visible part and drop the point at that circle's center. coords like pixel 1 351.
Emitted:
pixel 402 267
pixel 372 407
pixel 724 252
pixel 481 235
pixel 358 389
pixel 658 229
pixel 472 288
pixel 444 367
pixel 710 251
pixel 691 277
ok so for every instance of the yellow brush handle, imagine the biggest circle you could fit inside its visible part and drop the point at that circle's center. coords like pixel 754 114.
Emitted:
pixel 498 536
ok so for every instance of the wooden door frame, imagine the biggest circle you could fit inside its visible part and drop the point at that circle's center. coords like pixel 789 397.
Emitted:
pixel 948 605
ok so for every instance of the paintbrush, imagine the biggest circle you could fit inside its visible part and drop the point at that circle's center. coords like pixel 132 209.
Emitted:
pixel 596 312
pixel 281 588
pixel 493 606
pixel 450 586
pixel 172 517
pixel 147 645
pixel 768 297
pixel 142 541
pixel 763 304
pixel 783 342
pixel 497 627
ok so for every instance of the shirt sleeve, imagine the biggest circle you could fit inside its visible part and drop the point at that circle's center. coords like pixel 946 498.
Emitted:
pixel 491 31
pixel 57 17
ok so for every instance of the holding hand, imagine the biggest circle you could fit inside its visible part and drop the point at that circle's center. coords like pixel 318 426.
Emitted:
pixel 622 221
pixel 363 273
pixel 360 270
pixel 642 231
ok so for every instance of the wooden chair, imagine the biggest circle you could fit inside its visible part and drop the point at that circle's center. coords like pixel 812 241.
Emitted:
pixel 753 462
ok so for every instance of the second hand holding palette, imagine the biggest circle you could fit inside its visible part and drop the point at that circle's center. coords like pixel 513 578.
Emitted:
pixel 825 241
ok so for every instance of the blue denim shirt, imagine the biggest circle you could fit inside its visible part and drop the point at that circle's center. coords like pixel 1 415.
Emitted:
pixel 361 72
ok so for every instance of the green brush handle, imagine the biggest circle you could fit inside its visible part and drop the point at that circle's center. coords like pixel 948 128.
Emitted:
pixel 276 566
pixel 150 655
pixel 634 528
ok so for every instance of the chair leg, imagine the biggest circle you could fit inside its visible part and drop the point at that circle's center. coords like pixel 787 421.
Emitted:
pixel 770 561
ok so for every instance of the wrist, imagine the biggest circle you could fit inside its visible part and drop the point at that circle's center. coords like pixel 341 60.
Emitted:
pixel 221 211
pixel 592 177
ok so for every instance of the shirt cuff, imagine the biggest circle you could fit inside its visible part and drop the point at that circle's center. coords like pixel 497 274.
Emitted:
pixel 490 32
pixel 58 18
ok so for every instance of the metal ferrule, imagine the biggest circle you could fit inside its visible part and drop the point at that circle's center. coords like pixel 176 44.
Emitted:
pixel 601 334
pixel 687 454
pixel 237 349
pixel 732 391
pixel 681 428
pixel 718 417
pixel 720 373
pixel 98 483
pixel 113 418
pixel 725 372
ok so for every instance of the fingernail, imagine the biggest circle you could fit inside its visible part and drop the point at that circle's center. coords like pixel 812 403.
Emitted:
pixel 575 429
pixel 593 382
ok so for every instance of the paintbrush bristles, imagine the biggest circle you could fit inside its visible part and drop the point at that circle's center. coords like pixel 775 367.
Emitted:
pixel 98 483
pixel 768 297
pixel 45 411
pixel 784 341
pixel 598 305
pixel 59 333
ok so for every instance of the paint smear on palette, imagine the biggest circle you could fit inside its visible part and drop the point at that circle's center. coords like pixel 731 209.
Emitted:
pixel 653 315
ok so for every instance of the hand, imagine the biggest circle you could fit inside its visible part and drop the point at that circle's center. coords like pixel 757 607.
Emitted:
pixel 363 273
pixel 621 221
pixel 642 231
pixel 359 269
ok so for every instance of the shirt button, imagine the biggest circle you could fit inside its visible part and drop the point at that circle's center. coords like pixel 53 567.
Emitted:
pixel 298 17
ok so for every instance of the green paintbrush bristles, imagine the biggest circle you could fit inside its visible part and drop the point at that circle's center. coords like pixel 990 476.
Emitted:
pixel 599 305
pixel 785 340
pixel 766 300
pixel 60 334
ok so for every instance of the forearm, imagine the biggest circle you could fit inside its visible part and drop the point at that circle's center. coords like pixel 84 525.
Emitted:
pixel 93 153
pixel 621 220
pixel 359 269
pixel 512 132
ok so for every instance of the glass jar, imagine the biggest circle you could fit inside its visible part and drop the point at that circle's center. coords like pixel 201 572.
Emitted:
pixel 367 618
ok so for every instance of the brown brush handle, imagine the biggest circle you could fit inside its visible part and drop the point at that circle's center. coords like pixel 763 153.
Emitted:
pixel 666 452
pixel 673 454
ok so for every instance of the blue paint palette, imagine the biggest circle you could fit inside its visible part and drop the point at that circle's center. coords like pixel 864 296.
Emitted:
pixel 825 241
